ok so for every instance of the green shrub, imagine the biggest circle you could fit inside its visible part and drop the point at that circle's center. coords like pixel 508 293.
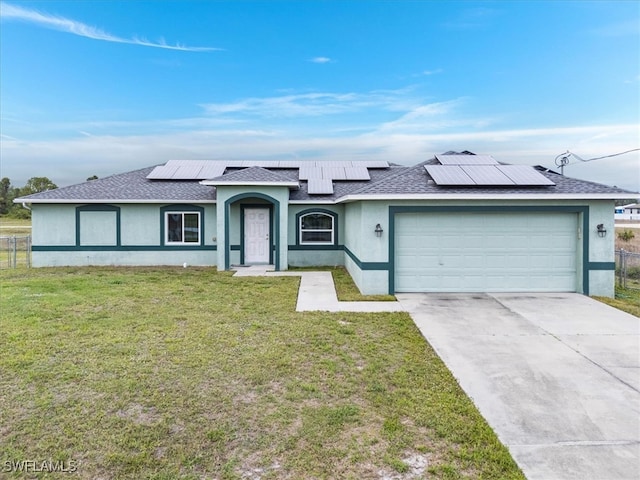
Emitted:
pixel 626 235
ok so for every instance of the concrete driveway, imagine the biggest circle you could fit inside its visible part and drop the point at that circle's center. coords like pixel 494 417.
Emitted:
pixel 557 376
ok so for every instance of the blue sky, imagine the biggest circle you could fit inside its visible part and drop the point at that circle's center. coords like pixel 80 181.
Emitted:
pixel 103 87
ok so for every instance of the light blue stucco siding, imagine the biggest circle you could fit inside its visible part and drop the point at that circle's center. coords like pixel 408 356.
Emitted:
pixel 601 249
pixel 230 199
pixel 366 254
pixel 53 224
pixel 301 255
pixel 118 234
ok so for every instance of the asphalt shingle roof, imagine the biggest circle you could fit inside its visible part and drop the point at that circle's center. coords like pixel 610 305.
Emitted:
pixel 129 186
pixel 395 180
pixel 254 174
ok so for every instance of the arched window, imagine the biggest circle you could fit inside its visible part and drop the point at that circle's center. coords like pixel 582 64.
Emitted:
pixel 316 228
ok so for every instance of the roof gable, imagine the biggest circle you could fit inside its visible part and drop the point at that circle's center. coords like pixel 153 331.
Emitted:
pixel 252 176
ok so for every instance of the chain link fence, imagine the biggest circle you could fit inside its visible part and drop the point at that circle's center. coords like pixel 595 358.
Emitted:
pixel 15 251
pixel 628 269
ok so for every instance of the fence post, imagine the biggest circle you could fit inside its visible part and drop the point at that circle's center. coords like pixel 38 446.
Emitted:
pixel 14 251
pixel 28 251
pixel 623 267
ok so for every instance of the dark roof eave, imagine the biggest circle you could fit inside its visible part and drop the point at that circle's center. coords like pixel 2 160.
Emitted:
pixel 28 200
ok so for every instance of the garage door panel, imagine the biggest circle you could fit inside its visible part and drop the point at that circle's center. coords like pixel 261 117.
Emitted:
pixel 485 252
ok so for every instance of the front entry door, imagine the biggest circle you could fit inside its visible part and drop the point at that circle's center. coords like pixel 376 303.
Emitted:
pixel 256 235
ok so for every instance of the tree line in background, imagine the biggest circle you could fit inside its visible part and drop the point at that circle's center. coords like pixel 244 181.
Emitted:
pixel 8 193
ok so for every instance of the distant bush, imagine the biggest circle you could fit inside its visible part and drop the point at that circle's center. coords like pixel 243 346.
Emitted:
pixel 626 235
pixel 633 272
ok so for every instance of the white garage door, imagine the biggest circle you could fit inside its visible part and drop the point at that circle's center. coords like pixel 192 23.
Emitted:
pixel 489 252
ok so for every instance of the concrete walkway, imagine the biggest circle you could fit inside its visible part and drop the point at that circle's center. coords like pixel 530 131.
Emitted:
pixel 317 291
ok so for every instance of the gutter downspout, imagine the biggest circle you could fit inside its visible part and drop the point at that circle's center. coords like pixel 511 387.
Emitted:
pixel 24 205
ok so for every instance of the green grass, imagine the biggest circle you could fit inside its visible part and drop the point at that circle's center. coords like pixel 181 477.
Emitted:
pixel 626 299
pixel 346 289
pixel 172 373
pixel 19 228
pixel 14 226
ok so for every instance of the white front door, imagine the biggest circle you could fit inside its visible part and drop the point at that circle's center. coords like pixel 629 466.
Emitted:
pixel 256 235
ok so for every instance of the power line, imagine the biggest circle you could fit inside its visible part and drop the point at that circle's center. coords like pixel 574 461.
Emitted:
pixel 606 156
pixel 563 159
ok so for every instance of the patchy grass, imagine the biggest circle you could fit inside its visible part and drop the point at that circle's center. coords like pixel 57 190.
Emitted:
pixel 19 228
pixel 172 373
pixel 348 291
pixel 630 245
pixel 14 226
pixel 627 300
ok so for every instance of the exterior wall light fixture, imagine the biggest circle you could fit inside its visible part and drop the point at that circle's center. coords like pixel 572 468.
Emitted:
pixel 602 232
pixel 378 230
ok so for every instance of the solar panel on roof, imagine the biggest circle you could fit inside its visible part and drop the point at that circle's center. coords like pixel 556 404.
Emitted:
pixel 330 163
pixel 357 173
pixel 207 169
pixel 188 172
pixel 287 164
pixel 524 175
pixel 333 173
pixel 162 172
pixel 372 163
pixel 212 170
pixel 448 175
pixel 466 160
pixel 486 175
pixel 320 186
pixel 308 172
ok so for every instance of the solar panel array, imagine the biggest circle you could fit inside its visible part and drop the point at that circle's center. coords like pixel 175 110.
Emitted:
pixel 207 169
pixel 318 174
pixel 483 172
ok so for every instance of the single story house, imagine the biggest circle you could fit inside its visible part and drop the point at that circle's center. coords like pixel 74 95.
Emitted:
pixel 628 212
pixel 454 223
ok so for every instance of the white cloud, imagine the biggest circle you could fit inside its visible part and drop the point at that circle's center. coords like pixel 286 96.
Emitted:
pixel 432 72
pixel 72 160
pixel 54 22
pixel 311 104
pixel 393 125
pixel 320 60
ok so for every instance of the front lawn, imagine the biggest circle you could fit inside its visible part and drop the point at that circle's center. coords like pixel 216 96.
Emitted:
pixel 626 299
pixel 168 373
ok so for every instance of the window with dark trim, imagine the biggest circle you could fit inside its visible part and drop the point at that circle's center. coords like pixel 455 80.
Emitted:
pixel 182 228
pixel 316 229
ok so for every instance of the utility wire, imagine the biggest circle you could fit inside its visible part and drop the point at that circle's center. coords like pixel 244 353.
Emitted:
pixel 562 160
pixel 606 156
